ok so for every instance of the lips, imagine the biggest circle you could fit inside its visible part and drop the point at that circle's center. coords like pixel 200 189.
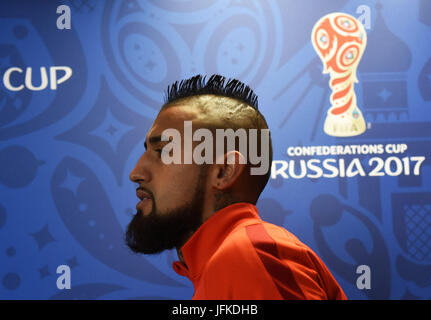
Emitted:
pixel 143 195
pixel 146 200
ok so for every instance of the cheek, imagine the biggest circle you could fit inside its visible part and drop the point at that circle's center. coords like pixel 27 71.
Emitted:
pixel 176 185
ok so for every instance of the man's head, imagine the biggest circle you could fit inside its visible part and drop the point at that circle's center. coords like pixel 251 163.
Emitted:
pixel 178 197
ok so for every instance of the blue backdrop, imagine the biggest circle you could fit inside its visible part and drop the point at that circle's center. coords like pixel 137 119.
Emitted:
pixel 66 150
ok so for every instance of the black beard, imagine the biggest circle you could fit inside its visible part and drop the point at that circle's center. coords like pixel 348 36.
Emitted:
pixel 159 231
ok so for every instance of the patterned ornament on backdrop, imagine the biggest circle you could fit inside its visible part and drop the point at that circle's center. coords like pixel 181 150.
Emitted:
pixel 340 40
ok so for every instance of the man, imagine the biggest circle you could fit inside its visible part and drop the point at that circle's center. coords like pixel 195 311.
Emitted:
pixel 207 210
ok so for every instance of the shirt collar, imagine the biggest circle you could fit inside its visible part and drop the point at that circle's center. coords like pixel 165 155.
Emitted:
pixel 208 237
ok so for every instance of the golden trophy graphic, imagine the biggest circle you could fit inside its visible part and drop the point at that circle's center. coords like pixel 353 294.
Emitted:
pixel 340 40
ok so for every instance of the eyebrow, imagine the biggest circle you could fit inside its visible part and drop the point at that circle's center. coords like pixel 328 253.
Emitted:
pixel 154 140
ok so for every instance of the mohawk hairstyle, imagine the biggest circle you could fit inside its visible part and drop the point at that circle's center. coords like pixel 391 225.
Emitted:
pixel 216 85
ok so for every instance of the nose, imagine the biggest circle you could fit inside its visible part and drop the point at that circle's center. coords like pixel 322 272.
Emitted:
pixel 141 171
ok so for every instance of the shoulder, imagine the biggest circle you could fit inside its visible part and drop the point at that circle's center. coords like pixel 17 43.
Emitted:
pixel 235 271
pixel 248 243
pixel 267 260
pixel 235 249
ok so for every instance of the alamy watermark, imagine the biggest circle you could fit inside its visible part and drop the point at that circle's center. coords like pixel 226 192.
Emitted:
pixel 364 280
pixel 64 278
pixel 64 21
pixel 203 153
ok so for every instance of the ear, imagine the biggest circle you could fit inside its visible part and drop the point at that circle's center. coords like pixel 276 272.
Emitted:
pixel 227 170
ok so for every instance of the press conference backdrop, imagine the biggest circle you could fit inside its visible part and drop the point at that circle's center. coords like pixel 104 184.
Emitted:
pixel 83 80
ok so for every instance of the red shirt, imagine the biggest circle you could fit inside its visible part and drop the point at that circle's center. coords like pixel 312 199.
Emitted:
pixel 236 255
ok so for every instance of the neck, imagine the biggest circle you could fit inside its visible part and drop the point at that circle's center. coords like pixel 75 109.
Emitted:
pixel 219 203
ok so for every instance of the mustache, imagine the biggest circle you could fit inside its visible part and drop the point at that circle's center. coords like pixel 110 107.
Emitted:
pixel 146 190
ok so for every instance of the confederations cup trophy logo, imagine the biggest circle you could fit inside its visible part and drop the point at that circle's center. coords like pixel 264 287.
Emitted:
pixel 340 40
